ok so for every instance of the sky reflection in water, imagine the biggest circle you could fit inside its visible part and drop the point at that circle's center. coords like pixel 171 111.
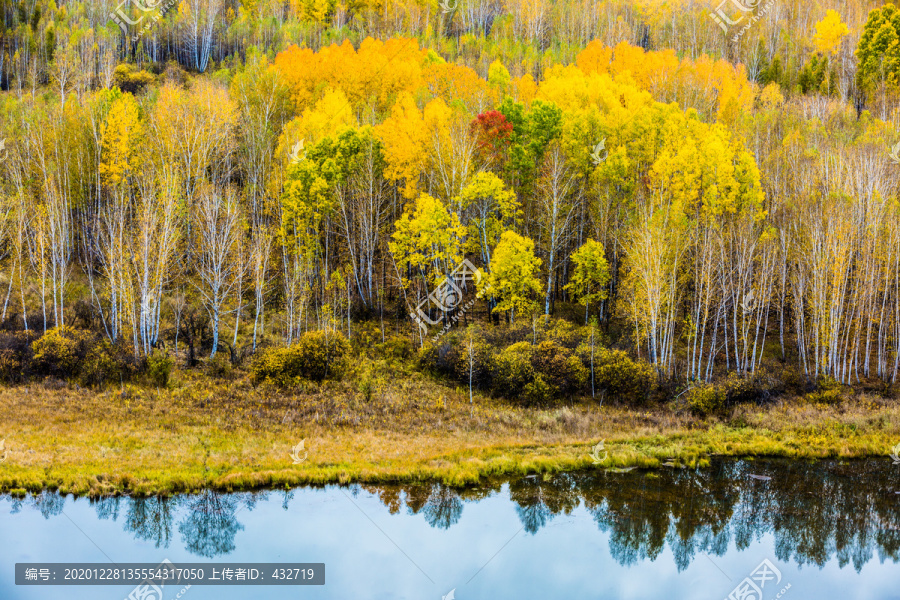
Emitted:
pixel 832 529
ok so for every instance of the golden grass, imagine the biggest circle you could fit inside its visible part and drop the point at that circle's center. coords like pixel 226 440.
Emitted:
pixel 231 435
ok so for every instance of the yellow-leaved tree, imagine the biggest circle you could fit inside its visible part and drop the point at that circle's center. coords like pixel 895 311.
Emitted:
pixel 330 114
pixel 829 33
pixel 512 279
pixel 427 247
pixel 590 274
pixel 404 137
pixel 427 241
pixel 122 133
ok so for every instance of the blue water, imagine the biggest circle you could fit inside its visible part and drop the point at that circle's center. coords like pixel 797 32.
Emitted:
pixel 832 530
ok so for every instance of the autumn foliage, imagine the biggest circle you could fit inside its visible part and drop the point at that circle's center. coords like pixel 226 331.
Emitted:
pixel 712 207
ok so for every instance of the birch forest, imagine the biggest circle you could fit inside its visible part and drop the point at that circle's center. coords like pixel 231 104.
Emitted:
pixel 208 178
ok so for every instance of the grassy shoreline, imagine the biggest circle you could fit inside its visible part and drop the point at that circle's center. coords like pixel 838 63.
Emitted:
pixel 230 435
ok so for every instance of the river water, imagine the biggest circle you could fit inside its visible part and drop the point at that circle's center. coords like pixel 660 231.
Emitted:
pixel 794 530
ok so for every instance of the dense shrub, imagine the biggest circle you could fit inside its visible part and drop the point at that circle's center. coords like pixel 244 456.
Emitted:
pixel 128 79
pixel 102 363
pixel 482 364
pixel 538 392
pixel 218 366
pixel 515 377
pixel 739 390
pixel 507 335
pixel 395 346
pixel 560 368
pixel 622 378
pixel 16 355
pixel 440 358
pixel 538 374
pixel 795 381
pixel 317 355
pixel 70 354
pixel 369 380
pixel 828 391
pixel 159 368
pixel 706 399
pixel 61 352
pixel 556 366
pixel 512 370
pixel 11 366
pixel 564 333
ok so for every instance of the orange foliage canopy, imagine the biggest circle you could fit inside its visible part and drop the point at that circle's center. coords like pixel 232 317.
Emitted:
pixel 451 82
pixel 712 87
pixel 376 74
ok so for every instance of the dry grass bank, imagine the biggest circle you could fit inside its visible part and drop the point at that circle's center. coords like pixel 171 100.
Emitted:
pixel 234 435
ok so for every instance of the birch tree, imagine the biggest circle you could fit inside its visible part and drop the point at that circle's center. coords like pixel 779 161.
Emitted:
pixel 218 227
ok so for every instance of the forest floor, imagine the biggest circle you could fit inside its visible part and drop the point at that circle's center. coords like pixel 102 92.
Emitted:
pixel 231 435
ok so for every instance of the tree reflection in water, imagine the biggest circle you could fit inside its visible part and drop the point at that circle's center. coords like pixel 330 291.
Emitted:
pixel 443 507
pixel 440 505
pixel 538 501
pixel 815 511
pixel 49 504
pixel 151 519
pixel 209 525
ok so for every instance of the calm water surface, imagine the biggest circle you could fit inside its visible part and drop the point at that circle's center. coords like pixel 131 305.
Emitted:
pixel 831 530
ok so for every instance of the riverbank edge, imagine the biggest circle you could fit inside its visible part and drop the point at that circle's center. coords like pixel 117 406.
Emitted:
pixel 459 469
